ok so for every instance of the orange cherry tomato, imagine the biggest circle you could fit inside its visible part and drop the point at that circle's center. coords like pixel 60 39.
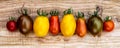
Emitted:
pixel 108 25
pixel 81 29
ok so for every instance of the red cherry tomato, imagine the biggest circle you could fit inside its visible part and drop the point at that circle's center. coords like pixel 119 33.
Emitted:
pixel 54 22
pixel 11 25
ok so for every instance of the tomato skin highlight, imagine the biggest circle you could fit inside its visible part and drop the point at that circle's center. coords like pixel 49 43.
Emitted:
pixel 54 25
pixel 81 27
pixel 11 25
pixel 108 25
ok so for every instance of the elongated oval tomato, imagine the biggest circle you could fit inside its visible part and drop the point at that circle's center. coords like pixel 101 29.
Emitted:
pixel 54 22
pixel 95 24
pixel 54 25
pixel 68 24
pixel 41 24
pixel 81 29
pixel 25 23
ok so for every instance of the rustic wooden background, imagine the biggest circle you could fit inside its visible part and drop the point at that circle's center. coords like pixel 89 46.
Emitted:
pixel 16 40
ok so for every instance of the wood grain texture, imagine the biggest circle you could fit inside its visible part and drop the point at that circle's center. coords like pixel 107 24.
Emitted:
pixel 16 40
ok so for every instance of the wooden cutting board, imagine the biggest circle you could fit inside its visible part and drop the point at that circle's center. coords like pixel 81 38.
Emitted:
pixel 16 40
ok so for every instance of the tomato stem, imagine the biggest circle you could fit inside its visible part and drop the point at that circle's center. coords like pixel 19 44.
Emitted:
pixel 42 13
pixel 54 12
pixel 24 11
pixel 108 18
pixel 95 13
pixel 12 18
pixel 68 11
pixel 80 14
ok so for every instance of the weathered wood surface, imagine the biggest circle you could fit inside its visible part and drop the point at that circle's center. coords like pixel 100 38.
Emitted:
pixel 16 40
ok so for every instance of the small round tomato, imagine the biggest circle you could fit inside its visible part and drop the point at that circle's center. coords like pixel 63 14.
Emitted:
pixel 108 24
pixel 11 24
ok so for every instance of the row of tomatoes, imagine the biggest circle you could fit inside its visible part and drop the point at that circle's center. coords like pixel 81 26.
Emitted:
pixel 68 25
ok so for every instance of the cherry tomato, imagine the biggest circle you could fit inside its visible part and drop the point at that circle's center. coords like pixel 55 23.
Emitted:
pixel 54 22
pixel 108 24
pixel 11 24
pixel 25 23
pixel 81 25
